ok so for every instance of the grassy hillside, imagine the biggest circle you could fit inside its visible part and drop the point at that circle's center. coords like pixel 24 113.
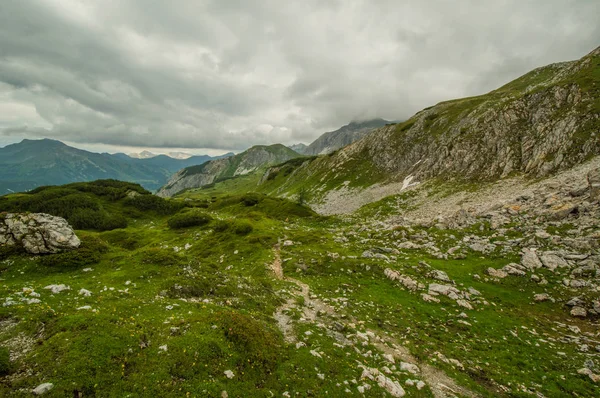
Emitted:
pixel 170 310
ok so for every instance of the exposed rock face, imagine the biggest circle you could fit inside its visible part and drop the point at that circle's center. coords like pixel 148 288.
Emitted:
pixel 38 233
pixel 593 178
pixel 345 135
pixel 241 164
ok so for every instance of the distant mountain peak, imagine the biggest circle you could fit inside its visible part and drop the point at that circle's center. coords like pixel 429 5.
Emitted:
pixel 142 155
pixel 149 155
pixel 345 135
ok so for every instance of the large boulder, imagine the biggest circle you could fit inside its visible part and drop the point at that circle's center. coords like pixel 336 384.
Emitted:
pixel 37 233
pixel 530 259
pixel 593 178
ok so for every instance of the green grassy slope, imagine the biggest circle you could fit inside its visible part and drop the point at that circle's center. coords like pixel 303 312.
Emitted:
pixel 171 310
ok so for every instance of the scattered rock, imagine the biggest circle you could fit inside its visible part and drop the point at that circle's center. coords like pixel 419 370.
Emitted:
pixel 541 297
pixel 229 374
pixel 496 273
pixel 430 299
pixel 579 312
pixel 440 276
pixel 587 372
pixel 530 259
pixel 410 368
pixel 42 388
pixel 514 269
pixel 552 261
pixel 57 288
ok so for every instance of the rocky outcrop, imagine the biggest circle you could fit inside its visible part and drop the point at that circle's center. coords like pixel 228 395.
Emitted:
pixel 37 233
pixel 345 135
pixel 593 178
pixel 240 164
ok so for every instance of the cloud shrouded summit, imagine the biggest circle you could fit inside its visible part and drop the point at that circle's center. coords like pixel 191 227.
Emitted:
pixel 230 74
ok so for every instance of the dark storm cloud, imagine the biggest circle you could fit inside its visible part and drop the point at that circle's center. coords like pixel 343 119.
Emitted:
pixel 229 74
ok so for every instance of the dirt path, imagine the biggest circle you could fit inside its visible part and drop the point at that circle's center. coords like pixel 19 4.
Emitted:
pixel 441 385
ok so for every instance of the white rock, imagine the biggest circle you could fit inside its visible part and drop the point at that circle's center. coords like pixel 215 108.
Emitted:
pixel 85 293
pixel 57 288
pixel 42 388
pixel 530 259
pixel 409 367
pixel 229 374
pixel 464 303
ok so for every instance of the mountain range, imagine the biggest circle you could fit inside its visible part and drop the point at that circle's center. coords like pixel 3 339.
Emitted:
pixel 148 155
pixel 32 163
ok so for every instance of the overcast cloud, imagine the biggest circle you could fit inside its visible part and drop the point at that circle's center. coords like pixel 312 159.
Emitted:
pixel 229 74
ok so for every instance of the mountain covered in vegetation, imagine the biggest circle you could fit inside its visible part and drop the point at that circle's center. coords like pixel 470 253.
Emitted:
pixel 33 163
pixel 250 161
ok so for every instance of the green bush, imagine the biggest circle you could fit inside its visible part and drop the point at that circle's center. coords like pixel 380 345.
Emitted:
pixel 89 252
pixel 251 199
pixel 259 344
pixel 96 219
pixel 242 227
pixel 122 238
pixel 159 256
pixel 154 203
pixel 189 219
pixel 221 225
pixel 4 361
pixel 8 251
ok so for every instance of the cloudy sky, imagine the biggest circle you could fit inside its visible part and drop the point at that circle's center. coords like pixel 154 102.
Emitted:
pixel 215 75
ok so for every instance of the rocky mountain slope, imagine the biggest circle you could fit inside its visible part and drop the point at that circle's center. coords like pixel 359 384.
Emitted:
pixel 32 163
pixel 246 162
pixel 300 148
pixel 343 136
pixel 543 122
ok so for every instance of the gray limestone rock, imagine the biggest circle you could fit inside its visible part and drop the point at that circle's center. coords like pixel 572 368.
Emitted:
pixel 37 233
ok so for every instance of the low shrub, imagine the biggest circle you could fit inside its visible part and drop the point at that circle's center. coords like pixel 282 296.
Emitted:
pixel 96 219
pixel 8 251
pixel 154 203
pixel 122 238
pixel 242 227
pixel 159 256
pixel 259 343
pixel 89 252
pixel 250 199
pixel 4 361
pixel 221 225
pixel 188 219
